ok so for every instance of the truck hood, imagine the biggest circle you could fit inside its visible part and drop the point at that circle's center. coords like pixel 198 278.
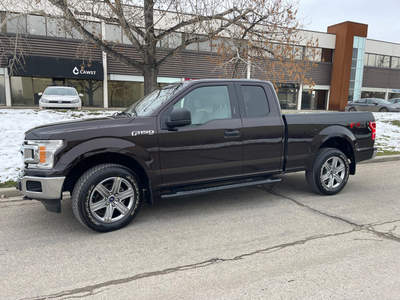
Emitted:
pixel 46 132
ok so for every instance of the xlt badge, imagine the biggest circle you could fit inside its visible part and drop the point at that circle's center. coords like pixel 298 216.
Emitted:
pixel 142 132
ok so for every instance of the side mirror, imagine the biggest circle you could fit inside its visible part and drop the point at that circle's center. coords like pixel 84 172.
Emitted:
pixel 40 94
pixel 179 117
pixel 376 103
pixel 80 95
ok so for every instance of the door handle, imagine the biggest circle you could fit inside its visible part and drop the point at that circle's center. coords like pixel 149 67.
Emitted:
pixel 229 133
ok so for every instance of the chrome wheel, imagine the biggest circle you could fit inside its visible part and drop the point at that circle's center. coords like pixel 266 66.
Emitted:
pixel 333 172
pixel 112 199
pixel 329 172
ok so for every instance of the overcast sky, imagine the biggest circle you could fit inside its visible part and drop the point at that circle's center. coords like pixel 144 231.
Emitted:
pixel 381 16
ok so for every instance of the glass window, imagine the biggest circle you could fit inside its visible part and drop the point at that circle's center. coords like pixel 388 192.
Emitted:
pixel 116 91
pixel 174 40
pixel 55 27
pixel 193 46
pixel 287 98
pixel 124 94
pixel 298 52
pixel 395 63
pixel 71 32
pixel 255 101
pixel 39 85
pixel 36 25
pixel 207 103
pixel 365 94
pixel 216 44
pixel 355 52
pixel 113 33
pixel 125 39
pixel 21 91
pixel 366 59
pixel 93 95
pixel 2 91
pixel 16 24
pixel 93 28
pixel 371 60
pixel 133 92
pixel 313 54
pixel 382 61
pixel 92 91
pixel 205 46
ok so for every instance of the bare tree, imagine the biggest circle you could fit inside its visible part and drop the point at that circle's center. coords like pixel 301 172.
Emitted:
pixel 251 25
pixel 270 43
pixel 12 48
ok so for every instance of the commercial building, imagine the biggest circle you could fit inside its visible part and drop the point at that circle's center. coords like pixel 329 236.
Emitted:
pixel 350 66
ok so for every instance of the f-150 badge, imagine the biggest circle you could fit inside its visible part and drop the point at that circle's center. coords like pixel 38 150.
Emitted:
pixel 142 132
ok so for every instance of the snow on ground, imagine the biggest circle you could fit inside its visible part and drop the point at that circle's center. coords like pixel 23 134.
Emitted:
pixel 14 123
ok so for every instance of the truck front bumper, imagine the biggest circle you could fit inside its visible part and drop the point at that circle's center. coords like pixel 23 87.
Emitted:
pixel 48 190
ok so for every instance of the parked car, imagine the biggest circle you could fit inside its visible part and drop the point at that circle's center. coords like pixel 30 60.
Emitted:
pixel 395 100
pixel 372 104
pixel 60 97
pixel 188 138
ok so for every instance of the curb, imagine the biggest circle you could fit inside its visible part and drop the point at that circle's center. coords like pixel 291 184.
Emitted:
pixel 13 192
pixel 10 192
pixel 379 159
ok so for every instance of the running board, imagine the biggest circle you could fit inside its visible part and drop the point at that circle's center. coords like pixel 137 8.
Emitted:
pixel 220 188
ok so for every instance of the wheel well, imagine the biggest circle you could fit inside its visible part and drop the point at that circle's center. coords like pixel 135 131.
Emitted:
pixel 76 172
pixel 344 146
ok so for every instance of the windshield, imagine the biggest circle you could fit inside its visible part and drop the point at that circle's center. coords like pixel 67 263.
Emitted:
pixel 60 91
pixel 151 102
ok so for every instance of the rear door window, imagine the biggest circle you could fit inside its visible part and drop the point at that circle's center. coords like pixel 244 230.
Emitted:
pixel 255 101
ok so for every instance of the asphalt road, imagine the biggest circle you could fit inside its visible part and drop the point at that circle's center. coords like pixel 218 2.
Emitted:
pixel 269 242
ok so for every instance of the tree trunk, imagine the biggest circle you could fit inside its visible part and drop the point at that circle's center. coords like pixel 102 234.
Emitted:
pixel 150 79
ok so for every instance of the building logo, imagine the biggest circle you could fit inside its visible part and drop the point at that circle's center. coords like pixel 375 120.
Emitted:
pixel 76 72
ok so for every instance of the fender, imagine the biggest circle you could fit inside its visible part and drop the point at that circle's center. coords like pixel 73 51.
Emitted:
pixel 334 131
pixel 76 154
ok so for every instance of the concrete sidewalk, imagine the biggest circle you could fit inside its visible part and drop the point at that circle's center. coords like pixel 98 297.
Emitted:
pixel 13 192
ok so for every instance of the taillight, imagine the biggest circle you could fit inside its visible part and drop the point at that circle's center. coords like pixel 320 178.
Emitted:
pixel 372 125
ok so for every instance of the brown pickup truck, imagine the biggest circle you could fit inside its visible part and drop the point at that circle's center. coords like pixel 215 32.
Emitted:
pixel 188 138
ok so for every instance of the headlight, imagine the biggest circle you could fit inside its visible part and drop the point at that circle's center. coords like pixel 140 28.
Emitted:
pixel 75 101
pixel 44 100
pixel 39 154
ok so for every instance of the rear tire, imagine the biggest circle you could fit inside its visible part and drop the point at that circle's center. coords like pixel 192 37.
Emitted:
pixel 107 197
pixel 352 109
pixel 329 173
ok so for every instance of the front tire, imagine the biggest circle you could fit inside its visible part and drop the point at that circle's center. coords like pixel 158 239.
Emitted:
pixel 329 173
pixel 107 197
pixel 383 109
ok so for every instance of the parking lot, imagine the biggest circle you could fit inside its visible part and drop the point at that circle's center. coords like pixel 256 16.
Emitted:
pixel 269 242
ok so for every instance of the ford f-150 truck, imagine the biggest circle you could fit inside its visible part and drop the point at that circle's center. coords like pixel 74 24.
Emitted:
pixel 188 138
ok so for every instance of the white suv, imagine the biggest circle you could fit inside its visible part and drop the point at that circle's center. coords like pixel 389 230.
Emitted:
pixel 60 97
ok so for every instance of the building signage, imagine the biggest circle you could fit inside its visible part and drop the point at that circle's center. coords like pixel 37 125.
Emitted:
pixel 54 67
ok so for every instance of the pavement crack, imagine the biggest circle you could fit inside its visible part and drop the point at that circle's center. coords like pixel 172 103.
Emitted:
pixel 365 227
pixel 91 290
pixel 269 189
